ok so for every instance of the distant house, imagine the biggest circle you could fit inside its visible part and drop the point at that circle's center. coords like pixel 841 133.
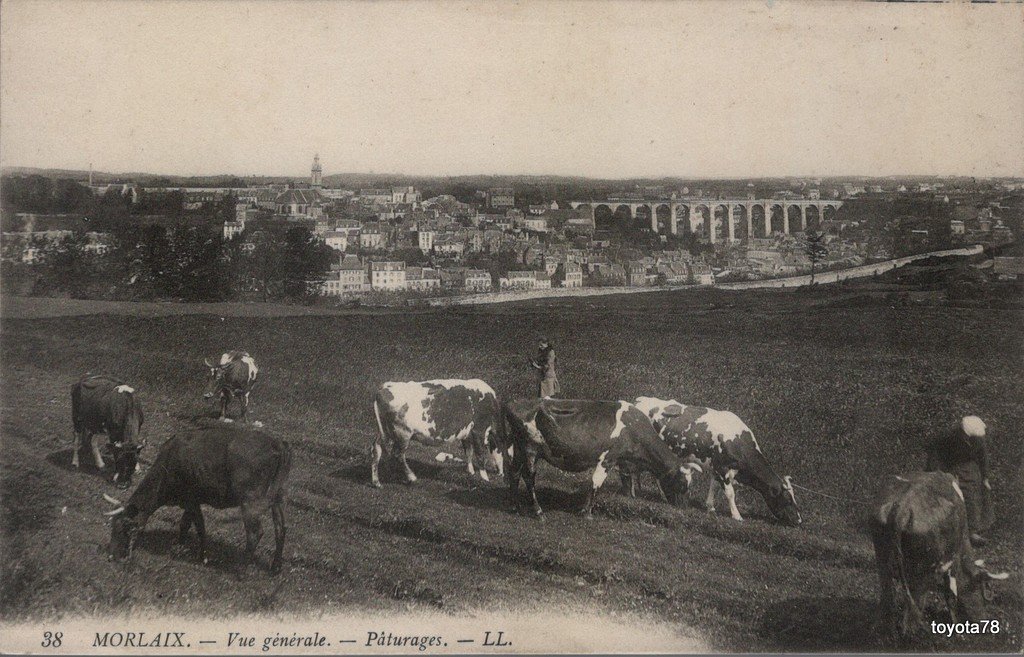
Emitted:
pixel 371 236
pixel 299 204
pixel 1008 268
pixel 702 274
pixel 500 197
pixel 543 281
pixel 569 274
pixel 422 279
pixel 388 276
pixel 477 280
pixel 451 248
pixel 336 239
pixel 636 274
pixel 519 280
pixel 233 229
pixel 536 224
pixel 425 240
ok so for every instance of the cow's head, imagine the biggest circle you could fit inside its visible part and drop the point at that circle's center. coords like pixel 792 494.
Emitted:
pixel 782 503
pixel 215 374
pixel 126 460
pixel 973 589
pixel 124 529
pixel 676 483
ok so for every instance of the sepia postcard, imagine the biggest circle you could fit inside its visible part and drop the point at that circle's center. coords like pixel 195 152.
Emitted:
pixel 537 326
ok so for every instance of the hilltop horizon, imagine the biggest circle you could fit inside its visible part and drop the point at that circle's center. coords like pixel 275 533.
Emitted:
pixel 398 176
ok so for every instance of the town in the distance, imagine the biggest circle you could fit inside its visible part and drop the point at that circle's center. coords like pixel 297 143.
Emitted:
pixel 355 237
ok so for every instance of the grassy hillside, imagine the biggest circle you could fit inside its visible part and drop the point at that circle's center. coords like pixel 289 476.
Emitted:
pixel 837 394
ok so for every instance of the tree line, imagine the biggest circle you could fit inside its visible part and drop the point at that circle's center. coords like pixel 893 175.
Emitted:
pixel 140 262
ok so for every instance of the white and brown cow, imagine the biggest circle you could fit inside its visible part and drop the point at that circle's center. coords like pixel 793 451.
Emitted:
pixel 234 376
pixel 919 529
pixel 728 443
pixel 434 412
pixel 577 435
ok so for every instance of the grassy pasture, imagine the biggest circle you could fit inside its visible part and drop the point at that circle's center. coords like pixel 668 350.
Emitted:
pixel 837 393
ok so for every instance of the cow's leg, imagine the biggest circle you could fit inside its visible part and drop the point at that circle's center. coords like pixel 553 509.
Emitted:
pixel 184 525
pixel 470 455
pixel 253 533
pixel 596 480
pixel 512 477
pixel 375 453
pixel 401 447
pixel 709 503
pixel 225 397
pixel 245 405
pixel 200 523
pixel 277 511
pixel 467 452
pixel 530 477
pixel 97 457
pixel 78 447
pixel 730 494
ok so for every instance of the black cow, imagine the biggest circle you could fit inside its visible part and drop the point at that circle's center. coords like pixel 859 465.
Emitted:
pixel 220 466
pixel 103 404
pixel 578 435
pixel 919 529
pixel 724 440
pixel 234 376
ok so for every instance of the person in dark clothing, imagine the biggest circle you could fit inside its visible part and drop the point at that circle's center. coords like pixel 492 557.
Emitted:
pixel 545 366
pixel 963 453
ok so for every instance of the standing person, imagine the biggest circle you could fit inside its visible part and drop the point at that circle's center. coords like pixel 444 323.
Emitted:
pixel 545 366
pixel 962 452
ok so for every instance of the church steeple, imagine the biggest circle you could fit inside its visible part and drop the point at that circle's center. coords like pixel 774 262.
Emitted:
pixel 316 177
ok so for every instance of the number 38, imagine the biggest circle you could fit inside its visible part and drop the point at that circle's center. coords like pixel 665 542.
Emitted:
pixel 52 639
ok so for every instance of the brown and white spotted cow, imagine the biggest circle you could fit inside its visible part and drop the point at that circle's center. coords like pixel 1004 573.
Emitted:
pixel 233 376
pixel 436 412
pixel 579 435
pixel 728 443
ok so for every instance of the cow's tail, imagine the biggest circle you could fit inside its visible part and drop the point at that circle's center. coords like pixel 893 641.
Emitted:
pixel 912 614
pixel 383 436
pixel 76 405
pixel 275 491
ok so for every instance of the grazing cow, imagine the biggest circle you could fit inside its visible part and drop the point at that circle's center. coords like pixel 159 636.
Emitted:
pixel 725 440
pixel 922 548
pixel 437 411
pixel 234 376
pixel 221 466
pixel 579 435
pixel 103 404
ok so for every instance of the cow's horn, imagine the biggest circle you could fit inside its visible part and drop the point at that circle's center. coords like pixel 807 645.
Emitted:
pixel 789 481
pixel 114 512
pixel 979 563
pixel 997 575
pixel 691 467
pixel 208 363
pixel 114 501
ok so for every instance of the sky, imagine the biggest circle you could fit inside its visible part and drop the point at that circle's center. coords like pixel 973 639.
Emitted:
pixel 598 89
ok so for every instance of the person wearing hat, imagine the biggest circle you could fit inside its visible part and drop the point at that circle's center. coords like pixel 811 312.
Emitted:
pixel 545 366
pixel 962 452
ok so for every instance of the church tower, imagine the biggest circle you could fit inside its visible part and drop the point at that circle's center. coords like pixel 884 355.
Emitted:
pixel 316 177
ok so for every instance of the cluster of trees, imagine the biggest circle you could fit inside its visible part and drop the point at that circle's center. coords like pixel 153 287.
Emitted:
pixel 184 262
pixel 42 195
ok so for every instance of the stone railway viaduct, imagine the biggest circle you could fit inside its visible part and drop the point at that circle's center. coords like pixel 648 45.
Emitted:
pixel 725 219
